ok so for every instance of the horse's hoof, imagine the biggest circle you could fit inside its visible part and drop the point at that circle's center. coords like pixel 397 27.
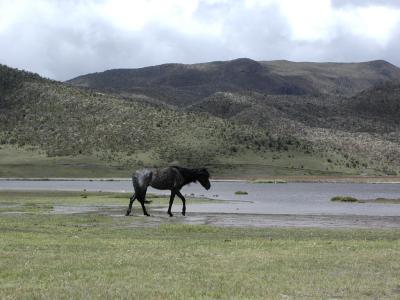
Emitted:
pixel 147 215
pixel 183 213
pixel 170 214
pixel 127 213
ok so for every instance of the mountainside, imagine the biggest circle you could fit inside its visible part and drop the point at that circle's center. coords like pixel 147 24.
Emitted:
pixel 182 85
pixel 251 126
pixel 64 120
pixel 380 102
pixel 345 79
pixel 365 127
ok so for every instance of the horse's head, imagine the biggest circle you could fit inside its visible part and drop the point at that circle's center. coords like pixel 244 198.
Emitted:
pixel 204 178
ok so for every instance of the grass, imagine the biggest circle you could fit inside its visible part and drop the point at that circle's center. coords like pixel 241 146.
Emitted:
pixel 269 181
pixel 30 162
pixel 241 193
pixel 17 201
pixel 344 199
pixel 252 165
pixel 377 200
pixel 90 255
pixel 384 200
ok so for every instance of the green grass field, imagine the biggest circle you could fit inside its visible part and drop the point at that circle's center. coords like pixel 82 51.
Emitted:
pixel 29 162
pixel 95 255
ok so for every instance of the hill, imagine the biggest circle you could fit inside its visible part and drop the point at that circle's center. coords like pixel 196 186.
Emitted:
pixel 63 121
pixel 381 102
pixel 364 128
pixel 251 130
pixel 183 85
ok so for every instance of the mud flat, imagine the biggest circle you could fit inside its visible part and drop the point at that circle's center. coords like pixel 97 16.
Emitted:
pixel 159 217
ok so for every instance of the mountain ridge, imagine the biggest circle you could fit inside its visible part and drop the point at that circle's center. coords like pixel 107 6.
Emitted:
pixel 185 84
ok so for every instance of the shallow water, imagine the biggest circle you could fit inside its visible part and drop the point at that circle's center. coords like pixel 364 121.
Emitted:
pixel 159 216
pixel 249 220
pixel 282 199
pixel 266 205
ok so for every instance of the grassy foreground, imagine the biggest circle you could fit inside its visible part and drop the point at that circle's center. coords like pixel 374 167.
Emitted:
pixel 94 255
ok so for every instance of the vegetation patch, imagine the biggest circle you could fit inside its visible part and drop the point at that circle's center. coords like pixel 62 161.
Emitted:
pixel 382 200
pixel 377 200
pixel 344 199
pixel 386 200
pixel 269 181
pixel 241 193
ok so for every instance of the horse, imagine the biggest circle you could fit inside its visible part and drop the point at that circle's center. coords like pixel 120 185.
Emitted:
pixel 170 178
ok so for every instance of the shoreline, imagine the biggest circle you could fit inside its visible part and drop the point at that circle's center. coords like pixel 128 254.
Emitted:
pixel 285 179
pixel 223 213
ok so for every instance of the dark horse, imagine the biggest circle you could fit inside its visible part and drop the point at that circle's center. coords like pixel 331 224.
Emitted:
pixel 169 178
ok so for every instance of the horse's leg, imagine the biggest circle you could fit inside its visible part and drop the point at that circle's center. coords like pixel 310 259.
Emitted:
pixel 144 207
pixel 183 202
pixel 131 199
pixel 171 200
pixel 142 199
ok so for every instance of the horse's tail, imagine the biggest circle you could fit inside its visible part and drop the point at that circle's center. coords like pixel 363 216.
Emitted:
pixel 140 182
pixel 134 180
pixel 136 185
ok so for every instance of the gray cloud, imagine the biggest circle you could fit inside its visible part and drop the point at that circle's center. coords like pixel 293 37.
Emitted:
pixel 339 3
pixel 63 45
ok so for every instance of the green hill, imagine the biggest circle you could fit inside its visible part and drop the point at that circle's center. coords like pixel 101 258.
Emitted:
pixel 64 121
pixel 49 128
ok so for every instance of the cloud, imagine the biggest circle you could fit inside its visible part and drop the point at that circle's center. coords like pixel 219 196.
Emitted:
pixel 62 39
pixel 387 3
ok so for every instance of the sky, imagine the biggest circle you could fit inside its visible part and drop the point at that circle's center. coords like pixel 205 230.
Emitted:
pixel 62 39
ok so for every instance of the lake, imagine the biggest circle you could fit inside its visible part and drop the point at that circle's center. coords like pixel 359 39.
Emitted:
pixel 272 199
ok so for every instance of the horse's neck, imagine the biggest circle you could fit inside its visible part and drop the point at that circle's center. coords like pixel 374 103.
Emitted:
pixel 188 175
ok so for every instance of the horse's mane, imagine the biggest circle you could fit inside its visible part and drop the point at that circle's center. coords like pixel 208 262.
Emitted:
pixel 191 175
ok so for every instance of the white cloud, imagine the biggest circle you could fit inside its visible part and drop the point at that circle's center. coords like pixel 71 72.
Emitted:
pixel 135 15
pixel 65 38
pixel 309 20
pixel 376 23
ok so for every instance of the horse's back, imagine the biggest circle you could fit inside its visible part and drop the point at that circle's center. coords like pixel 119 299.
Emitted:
pixel 166 179
pixel 163 179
